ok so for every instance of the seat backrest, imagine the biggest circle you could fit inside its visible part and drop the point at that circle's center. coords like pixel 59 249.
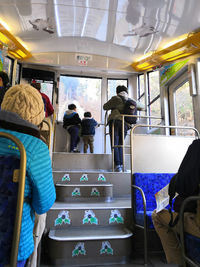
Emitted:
pixel 8 201
pixel 150 183
pixel 12 185
pixel 159 153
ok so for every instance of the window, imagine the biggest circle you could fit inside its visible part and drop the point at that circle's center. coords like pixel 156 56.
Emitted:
pixel 8 67
pixel 18 73
pixel 154 96
pixel 47 89
pixel 112 85
pixel 141 92
pixel 184 108
pixel 84 92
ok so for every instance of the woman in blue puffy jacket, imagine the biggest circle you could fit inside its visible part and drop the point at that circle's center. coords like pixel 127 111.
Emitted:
pixel 22 112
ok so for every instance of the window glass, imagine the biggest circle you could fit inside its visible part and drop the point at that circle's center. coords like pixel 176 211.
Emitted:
pixel 47 89
pixel 140 85
pixel 84 92
pixel 142 101
pixel 7 67
pixel 184 109
pixel 154 85
pixel 155 108
pixel 17 78
pixel 112 84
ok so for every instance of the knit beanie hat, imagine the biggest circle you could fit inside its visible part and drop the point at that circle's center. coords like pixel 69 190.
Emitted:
pixel 26 101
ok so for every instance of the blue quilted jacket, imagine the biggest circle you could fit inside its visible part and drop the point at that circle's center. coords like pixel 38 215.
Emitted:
pixel 39 186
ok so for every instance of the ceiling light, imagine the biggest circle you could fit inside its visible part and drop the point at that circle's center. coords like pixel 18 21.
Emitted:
pixel 5 25
pixel 175 41
pixel 180 56
pixel 143 65
pixel 144 56
pixel 14 46
pixel 57 18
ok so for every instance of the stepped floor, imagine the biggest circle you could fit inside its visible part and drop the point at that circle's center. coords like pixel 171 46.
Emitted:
pixel 154 261
pixel 116 203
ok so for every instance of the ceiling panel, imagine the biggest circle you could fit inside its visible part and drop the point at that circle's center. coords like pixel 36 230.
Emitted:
pixel 103 27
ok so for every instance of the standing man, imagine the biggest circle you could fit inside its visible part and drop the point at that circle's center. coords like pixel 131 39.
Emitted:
pixel 116 104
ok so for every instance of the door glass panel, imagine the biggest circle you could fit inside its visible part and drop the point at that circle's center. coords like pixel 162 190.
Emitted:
pixel 84 92
pixel 184 109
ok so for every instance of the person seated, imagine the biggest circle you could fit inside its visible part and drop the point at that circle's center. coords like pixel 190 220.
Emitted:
pixel 71 122
pixel 22 112
pixel 186 183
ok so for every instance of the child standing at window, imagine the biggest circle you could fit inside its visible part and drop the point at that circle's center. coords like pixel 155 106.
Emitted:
pixel 88 125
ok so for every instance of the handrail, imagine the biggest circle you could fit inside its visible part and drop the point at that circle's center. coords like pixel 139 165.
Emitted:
pixel 49 136
pixel 125 115
pixel 145 220
pixel 123 124
pixel 54 130
pixel 155 126
pixel 20 197
pixel 181 214
pixel 105 124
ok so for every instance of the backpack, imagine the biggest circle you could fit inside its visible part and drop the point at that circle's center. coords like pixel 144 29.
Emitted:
pixel 130 108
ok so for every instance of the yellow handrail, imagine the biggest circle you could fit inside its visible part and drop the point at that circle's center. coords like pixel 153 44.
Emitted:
pixel 54 130
pixel 49 135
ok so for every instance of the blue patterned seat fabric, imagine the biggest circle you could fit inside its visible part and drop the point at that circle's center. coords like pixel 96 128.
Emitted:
pixel 192 245
pixel 8 200
pixel 150 183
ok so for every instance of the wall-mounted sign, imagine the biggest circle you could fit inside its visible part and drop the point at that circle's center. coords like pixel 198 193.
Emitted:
pixel 1 60
pixel 170 71
pixel 83 59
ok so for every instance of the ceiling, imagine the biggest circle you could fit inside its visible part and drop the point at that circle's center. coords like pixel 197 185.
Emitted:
pixel 121 29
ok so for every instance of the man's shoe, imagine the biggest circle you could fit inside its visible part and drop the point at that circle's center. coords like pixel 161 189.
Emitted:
pixel 118 168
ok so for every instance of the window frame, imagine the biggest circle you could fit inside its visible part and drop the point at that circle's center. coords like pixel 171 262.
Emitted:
pixel 149 101
pixel 20 72
pixel 143 94
pixel 10 74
